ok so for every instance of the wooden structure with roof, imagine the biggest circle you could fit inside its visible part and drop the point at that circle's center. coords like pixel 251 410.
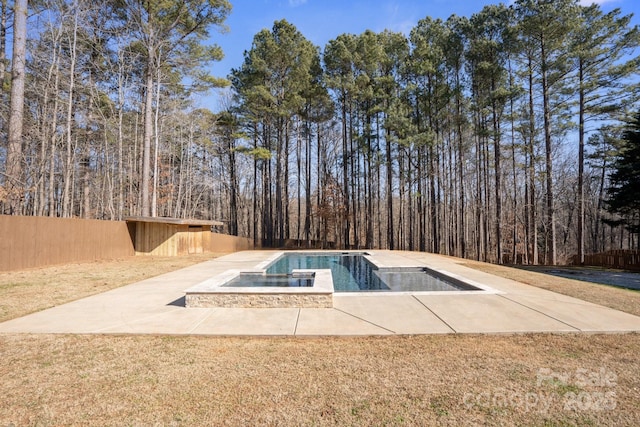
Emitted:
pixel 170 236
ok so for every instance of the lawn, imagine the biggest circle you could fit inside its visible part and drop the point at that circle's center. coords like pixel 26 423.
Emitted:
pixel 532 379
pixel 610 296
pixel 36 289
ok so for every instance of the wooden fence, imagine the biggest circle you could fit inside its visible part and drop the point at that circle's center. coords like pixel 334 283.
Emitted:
pixel 27 242
pixel 213 242
pixel 32 241
pixel 621 259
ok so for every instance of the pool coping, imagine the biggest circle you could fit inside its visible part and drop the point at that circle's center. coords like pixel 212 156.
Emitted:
pixel 210 293
pixel 157 306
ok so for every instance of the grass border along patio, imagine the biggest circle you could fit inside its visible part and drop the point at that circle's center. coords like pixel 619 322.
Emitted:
pixel 156 306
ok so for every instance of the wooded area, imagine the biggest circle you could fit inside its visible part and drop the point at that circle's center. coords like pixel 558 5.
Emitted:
pixel 489 137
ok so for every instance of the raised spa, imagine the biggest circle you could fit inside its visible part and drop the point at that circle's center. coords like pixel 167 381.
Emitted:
pixel 251 280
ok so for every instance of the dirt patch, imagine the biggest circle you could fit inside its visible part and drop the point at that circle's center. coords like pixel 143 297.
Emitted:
pixel 538 379
pixel 27 291
pixel 609 296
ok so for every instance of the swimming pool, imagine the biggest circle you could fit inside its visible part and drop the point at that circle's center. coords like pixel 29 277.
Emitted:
pixel 353 272
pixel 313 279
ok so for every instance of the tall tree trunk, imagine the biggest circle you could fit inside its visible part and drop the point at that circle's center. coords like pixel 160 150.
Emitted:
pixel 353 156
pixel 345 174
pixel 514 247
pixel 121 178
pixel 156 140
pixel 551 225
pixel 486 192
pixel 422 191
pixel 533 231
pixel 369 186
pixel 409 179
pixel 285 182
pixel 14 138
pixel 378 190
pixel 67 196
pixel 320 170
pixel 389 164
pixel 148 132
pixel 307 186
pixel 478 196
pixel 462 241
pixel 581 164
pixel 279 183
pixel 53 142
pixel 299 143
pixel 233 189
pixel 267 191
pixel 3 39
pixel 254 230
pixel 498 181
pixel 86 182
pixel 432 199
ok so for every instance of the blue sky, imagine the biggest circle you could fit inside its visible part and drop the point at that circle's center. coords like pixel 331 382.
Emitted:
pixel 322 20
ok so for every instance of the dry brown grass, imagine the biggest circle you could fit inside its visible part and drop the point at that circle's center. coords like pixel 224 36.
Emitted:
pixel 421 380
pixel 618 298
pixel 31 290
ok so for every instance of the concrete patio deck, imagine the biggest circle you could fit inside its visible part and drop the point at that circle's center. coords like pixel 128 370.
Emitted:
pixel 156 306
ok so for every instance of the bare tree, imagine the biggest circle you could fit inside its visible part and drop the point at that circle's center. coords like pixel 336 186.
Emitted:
pixel 15 185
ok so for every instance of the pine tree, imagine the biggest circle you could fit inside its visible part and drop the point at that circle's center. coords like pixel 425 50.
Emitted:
pixel 272 82
pixel 605 81
pixel 172 34
pixel 547 25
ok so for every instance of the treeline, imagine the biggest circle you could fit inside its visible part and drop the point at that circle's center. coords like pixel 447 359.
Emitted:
pixel 109 124
pixel 468 137
pixel 488 137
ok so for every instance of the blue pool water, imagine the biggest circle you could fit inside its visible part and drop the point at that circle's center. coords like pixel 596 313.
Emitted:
pixel 352 272
pixel 272 280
